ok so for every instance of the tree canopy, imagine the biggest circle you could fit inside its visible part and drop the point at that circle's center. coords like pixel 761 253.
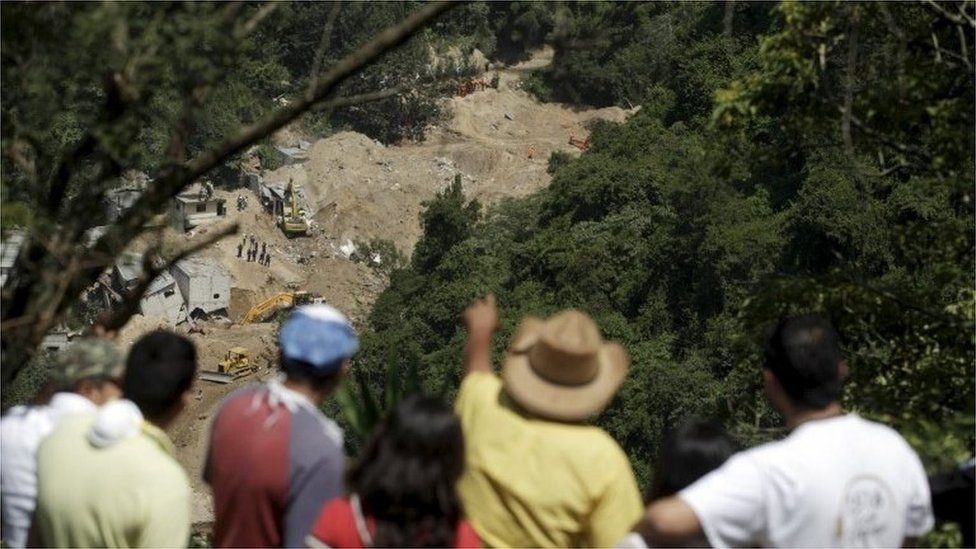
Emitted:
pixel 770 171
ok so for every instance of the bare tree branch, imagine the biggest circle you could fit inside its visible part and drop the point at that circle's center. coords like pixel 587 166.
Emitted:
pixel 323 45
pixel 849 85
pixel 255 20
pixel 965 49
pixel 359 99
pixel 960 19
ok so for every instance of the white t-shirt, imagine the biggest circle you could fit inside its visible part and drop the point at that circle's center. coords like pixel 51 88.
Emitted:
pixel 21 431
pixel 836 482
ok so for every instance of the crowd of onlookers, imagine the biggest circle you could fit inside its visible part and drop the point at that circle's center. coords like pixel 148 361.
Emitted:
pixel 515 462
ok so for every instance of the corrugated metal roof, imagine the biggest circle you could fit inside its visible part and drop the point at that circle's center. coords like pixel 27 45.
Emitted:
pixel 201 266
pixel 123 197
pixel 163 281
pixel 293 152
pixel 129 271
pixel 129 266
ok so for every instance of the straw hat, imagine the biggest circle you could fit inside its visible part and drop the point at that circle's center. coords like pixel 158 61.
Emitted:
pixel 562 368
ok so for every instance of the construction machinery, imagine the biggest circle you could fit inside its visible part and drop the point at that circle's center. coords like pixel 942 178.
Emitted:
pixel 282 300
pixel 292 223
pixel 235 365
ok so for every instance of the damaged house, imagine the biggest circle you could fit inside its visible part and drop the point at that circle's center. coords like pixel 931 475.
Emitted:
pixel 117 201
pixel 162 299
pixel 293 155
pixel 197 205
pixel 205 285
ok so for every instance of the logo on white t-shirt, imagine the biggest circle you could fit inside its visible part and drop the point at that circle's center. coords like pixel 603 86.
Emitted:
pixel 867 513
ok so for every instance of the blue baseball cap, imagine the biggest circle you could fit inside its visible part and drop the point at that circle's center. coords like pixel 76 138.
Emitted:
pixel 318 335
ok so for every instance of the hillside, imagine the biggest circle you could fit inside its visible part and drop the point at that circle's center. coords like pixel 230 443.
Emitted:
pixel 361 189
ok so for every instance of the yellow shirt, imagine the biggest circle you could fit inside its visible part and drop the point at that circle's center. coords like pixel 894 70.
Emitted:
pixel 130 494
pixel 536 483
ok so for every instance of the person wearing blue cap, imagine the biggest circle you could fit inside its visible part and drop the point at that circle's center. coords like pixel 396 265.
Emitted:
pixel 274 458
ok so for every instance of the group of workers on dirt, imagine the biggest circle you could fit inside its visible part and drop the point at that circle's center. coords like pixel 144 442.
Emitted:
pixel 515 462
pixel 255 252
pixel 241 202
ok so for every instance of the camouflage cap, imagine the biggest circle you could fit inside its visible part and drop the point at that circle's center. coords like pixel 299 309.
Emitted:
pixel 89 358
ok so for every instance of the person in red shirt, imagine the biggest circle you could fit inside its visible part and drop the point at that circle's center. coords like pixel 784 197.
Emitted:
pixel 402 489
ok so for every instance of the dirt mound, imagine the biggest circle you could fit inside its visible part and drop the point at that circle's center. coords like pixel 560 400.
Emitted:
pixel 137 327
pixel 499 141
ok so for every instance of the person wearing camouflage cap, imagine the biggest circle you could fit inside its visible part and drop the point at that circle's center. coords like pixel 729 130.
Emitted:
pixel 86 375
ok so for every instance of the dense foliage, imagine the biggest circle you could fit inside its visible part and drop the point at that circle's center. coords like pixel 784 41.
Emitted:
pixel 136 74
pixel 786 157
pixel 691 227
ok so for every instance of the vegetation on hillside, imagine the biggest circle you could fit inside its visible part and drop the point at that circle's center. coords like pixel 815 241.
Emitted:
pixel 786 157
pixel 825 166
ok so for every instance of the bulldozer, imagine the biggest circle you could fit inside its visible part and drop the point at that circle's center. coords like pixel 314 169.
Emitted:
pixel 235 365
pixel 282 300
pixel 291 223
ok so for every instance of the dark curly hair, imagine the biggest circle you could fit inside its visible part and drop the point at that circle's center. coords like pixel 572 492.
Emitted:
pixel 407 474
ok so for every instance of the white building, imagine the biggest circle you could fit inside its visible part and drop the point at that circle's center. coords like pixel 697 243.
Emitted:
pixel 163 299
pixel 118 201
pixel 294 155
pixel 9 248
pixel 195 206
pixel 128 269
pixel 205 285
pixel 56 339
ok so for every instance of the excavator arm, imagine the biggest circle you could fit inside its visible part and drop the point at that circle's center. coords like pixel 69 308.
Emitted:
pixel 257 312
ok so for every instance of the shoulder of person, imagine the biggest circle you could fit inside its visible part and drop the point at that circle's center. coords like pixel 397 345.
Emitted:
pixel 478 384
pixel 883 432
pixel 237 397
pixel 70 428
pixel 317 433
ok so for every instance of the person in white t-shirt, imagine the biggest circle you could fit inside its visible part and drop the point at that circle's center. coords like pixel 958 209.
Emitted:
pixel 837 480
pixel 88 374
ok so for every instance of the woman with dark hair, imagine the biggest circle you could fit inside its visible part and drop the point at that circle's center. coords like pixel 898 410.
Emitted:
pixel 402 488
pixel 693 449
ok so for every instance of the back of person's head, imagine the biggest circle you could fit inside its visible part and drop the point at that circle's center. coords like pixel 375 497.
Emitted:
pixel 159 370
pixel 804 355
pixel 693 449
pixel 407 474
pixel 316 341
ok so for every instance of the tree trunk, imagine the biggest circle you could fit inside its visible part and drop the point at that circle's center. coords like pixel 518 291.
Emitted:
pixel 728 17
pixel 849 86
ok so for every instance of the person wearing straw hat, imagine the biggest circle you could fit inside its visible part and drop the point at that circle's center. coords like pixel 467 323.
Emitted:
pixel 537 474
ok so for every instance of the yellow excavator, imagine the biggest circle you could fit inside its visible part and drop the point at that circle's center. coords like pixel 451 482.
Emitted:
pixel 293 224
pixel 282 300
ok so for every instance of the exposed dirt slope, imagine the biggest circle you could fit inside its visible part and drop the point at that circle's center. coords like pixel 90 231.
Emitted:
pixel 499 141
